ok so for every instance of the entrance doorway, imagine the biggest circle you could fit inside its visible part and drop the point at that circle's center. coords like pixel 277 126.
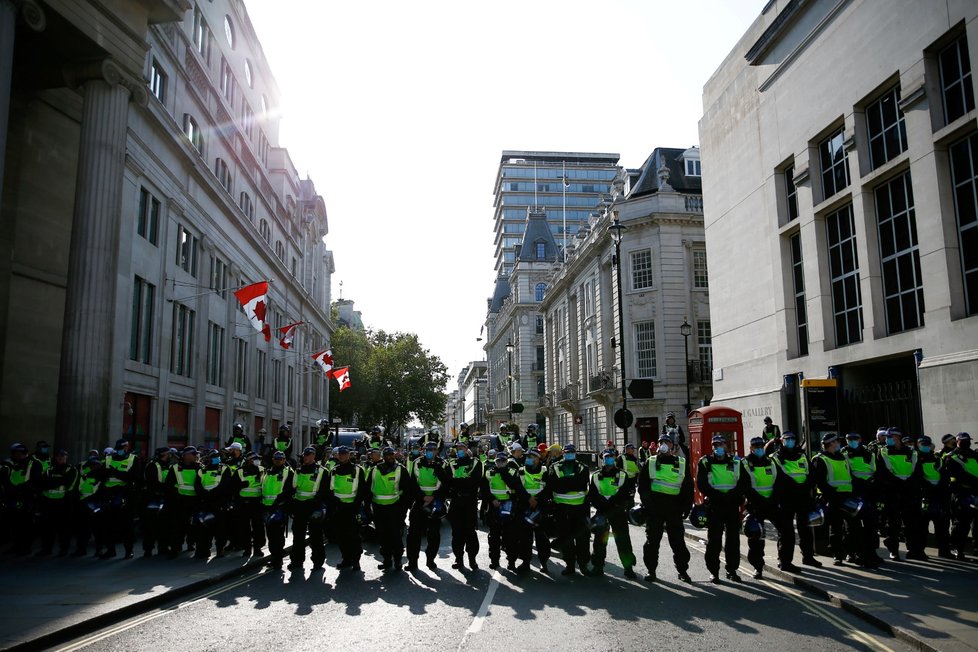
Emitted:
pixel 880 393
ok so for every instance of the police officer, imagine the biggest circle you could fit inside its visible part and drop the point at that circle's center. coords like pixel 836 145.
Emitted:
pixel 758 477
pixel 309 497
pixel 531 439
pixel 961 470
pixel 180 503
pixel 323 439
pixel 154 490
pixel 213 489
pixel 863 465
pixel 375 440
pixel 629 462
pixel 679 437
pixel 413 455
pixel 899 480
pixel 832 476
pixel 283 442
pixel 516 454
pixel 665 487
pixel 935 506
pixel 717 478
pixel 122 474
pixel 880 441
pixel 247 528
pixel 429 488
pixel 238 436
pixel 465 479
pixel 463 435
pixel 433 436
pixel 276 491
pixel 535 500
pixel 505 436
pixel 347 485
pixel 770 431
pixel 57 495
pixel 499 489
pixel 88 502
pixel 42 455
pixel 569 481
pixel 610 494
pixel 234 457
pixel 793 488
pixel 948 445
pixel 388 484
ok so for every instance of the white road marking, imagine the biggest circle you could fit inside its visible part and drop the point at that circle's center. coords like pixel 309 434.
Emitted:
pixel 480 616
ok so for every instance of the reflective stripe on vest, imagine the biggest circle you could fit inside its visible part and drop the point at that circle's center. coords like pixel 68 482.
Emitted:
pixel 668 477
pixel 899 465
pixel 861 468
pixel 185 482
pixel 119 465
pixel 932 471
pixel 534 483
pixel 969 465
pixel 428 481
pixel 252 486
pixel 497 485
pixel 606 485
pixel 20 476
pixel 57 492
pixel 282 445
pixel 762 478
pixel 797 470
pixel 87 485
pixel 272 486
pixel 571 498
pixel 344 487
pixel 210 479
pixel 306 484
pixel 723 476
pixel 386 487
pixel 838 473
pixel 629 466
pixel 462 472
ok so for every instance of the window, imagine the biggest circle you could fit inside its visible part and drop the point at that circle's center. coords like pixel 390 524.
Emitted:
pixel 801 308
pixel 294 266
pixel 240 365
pixel 187 247
pixel 148 218
pixel 215 354
pixel 541 250
pixel 219 276
pixel 248 120
pixel 964 176
pixel 290 383
pixel 201 35
pixel 265 231
pixel 903 289
pixel 223 174
pixel 834 164
pixel 227 82
pixel 844 267
pixel 247 207
pixel 260 371
pixel 538 291
pixel 249 74
pixel 956 86
pixel 229 31
pixel 790 192
pixel 157 81
pixel 280 250
pixel 693 167
pixel 886 128
pixel 193 132
pixel 641 269
pixel 704 341
pixel 182 346
pixel 645 349
pixel 588 293
pixel 700 277
pixel 538 364
pixel 539 329
pixel 276 381
pixel 141 333
pixel 264 106
pixel 263 148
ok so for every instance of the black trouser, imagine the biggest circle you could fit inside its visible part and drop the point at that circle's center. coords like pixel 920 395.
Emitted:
pixel 942 524
pixel 722 521
pixel 215 530
pixel 845 532
pixel 55 523
pixel 152 526
pixel 177 514
pixel 501 535
pixel 902 510
pixel 671 520
pixel 346 531
pixel 790 515
pixel 463 515
pixel 246 526
pixel 863 547
pixel 573 533
pixel 275 533
pixel 119 513
pixel 525 535
pixel 389 521
pixel 963 520
pixel 86 524
pixel 20 524
pixel 422 526
pixel 617 523
pixel 303 525
pixel 762 511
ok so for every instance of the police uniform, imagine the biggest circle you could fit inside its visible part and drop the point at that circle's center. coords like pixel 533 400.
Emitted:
pixel 610 494
pixel 899 478
pixel 238 437
pixel 534 482
pixel 213 488
pixel 429 487
pixel 718 478
pixel 122 474
pixel 569 482
pixel 154 481
pixel 310 491
pixel 181 501
pixel 935 506
pixel 862 462
pixel 758 478
pixel 832 475
pixel 88 502
pixel 276 491
pixel 57 486
pixel 793 488
pixel 347 486
pixel 245 523
pixel 387 484
pixel 665 487
pixel 961 471
pixel 465 479
pixel 500 488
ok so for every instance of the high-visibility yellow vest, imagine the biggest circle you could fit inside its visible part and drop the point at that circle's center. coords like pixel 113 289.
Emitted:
pixel 608 485
pixel 931 470
pixel 386 487
pixel 282 445
pixel 272 486
pixel 724 475
pixel 630 466
pixel 345 487
pixel 838 473
pixel 427 479
pixel 119 465
pixel 534 483
pixel 899 465
pixel 797 470
pixel 667 477
pixel 185 481
pixel 210 479
pixel 863 466
pixel 462 471
pixel 762 478
pixel 59 492
pixel 497 484
pixel 969 465
pixel 87 484
pixel 307 484
pixel 250 484
pixel 20 476
pixel 569 497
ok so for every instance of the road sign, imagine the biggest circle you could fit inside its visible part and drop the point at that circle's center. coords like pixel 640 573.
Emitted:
pixel 624 418
pixel 516 408
pixel 641 388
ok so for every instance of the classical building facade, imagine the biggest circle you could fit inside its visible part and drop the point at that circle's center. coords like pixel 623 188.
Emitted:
pixel 142 184
pixel 664 283
pixel 840 142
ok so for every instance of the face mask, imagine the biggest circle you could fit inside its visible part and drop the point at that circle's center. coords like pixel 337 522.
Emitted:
pixel 853 444
pixel 759 452
pixel 215 461
pixel 570 457
pixel 663 449
pixel 890 441
pixel 719 451
pixel 529 463
pixel 964 443
pixel 44 450
pixel 789 443
pixel 609 461
pixel 429 455
pixel 925 449
pixel 460 454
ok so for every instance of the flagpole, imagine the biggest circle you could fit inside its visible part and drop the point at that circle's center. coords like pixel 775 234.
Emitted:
pixel 202 294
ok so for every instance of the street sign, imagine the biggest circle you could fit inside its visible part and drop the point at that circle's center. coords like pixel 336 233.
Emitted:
pixel 641 388
pixel 516 408
pixel 624 418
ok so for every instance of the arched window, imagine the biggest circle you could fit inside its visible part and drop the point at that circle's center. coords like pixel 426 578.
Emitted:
pixel 539 290
pixel 280 250
pixel 229 31
pixel 266 233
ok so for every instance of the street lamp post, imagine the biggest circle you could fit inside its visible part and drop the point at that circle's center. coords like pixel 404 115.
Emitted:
pixel 509 379
pixel 686 330
pixel 617 230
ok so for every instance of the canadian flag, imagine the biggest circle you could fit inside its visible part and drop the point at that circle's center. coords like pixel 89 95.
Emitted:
pixel 288 332
pixel 252 298
pixel 342 377
pixel 325 360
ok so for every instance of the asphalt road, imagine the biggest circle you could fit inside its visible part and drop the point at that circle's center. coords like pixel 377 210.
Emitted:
pixel 448 610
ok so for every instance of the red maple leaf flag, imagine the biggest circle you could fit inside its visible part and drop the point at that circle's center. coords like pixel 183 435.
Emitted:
pixel 252 298
pixel 342 377
pixel 288 332
pixel 325 360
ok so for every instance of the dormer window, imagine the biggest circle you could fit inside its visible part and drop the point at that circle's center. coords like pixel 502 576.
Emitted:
pixel 541 249
pixel 691 159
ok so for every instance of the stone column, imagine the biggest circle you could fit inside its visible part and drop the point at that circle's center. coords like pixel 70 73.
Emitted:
pixel 84 398
pixel 8 17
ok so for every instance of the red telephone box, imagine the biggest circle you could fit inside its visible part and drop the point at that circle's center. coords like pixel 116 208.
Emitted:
pixel 704 424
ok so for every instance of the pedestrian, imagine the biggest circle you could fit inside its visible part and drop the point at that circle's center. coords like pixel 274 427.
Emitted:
pixel 793 488
pixel 245 522
pixel 57 489
pixel 429 490
pixel 569 481
pixel 610 493
pixel 388 485
pixel 717 478
pixel 535 501
pixel 276 491
pixel 307 506
pixel 499 490
pixel 863 465
pixel 962 473
pixel 832 476
pixel 347 487
pixel 758 479
pixel 665 487
pixel 899 480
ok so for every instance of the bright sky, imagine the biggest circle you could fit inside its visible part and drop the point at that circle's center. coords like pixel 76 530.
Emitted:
pixel 399 112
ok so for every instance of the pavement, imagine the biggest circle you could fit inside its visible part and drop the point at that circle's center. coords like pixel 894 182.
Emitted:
pixel 919 605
